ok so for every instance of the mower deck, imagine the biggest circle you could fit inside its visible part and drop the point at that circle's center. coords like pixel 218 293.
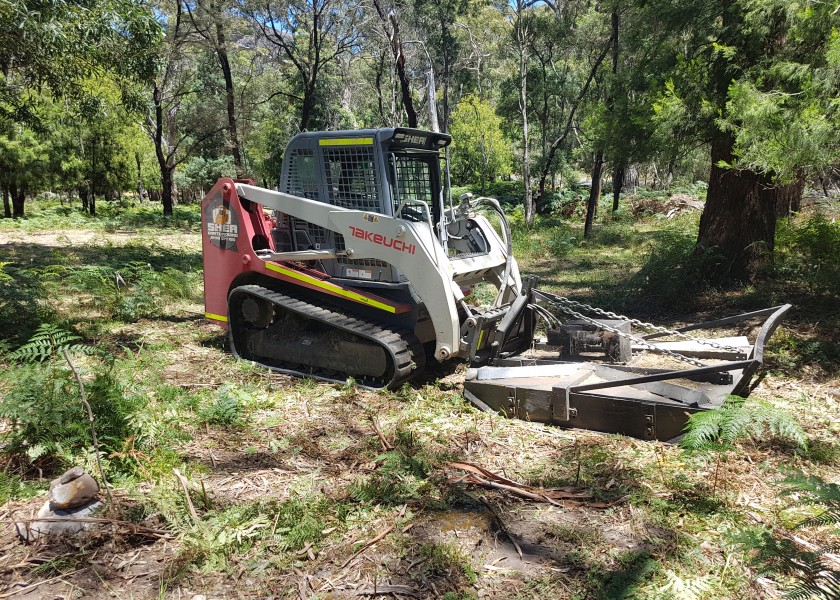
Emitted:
pixel 631 399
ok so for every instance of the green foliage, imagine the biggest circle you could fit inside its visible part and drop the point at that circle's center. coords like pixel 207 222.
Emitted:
pixel 213 540
pixel 48 342
pixel 480 152
pixel 134 291
pixel 22 302
pixel 446 559
pixel 301 521
pixel 13 487
pixel 807 253
pixel 47 419
pixel 401 474
pixel 739 419
pixel 227 408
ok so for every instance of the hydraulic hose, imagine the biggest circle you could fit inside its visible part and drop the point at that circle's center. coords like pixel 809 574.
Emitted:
pixel 496 207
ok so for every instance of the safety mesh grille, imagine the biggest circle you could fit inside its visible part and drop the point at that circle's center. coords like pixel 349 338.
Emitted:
pixel 414 178
pixel 351 178
pixel 302 179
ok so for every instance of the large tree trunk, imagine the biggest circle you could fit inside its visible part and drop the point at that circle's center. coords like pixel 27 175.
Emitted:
pixel 739 218
pixel 594 193
pixel 18 199
pixel 7 208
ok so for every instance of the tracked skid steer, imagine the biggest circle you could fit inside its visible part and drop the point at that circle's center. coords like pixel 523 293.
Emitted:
pixel 361 267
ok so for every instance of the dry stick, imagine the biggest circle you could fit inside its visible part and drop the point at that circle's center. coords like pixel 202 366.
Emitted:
pixel 34 585
pixel 386 445
pixel 378 537
pixel 92 427
pixel 183 481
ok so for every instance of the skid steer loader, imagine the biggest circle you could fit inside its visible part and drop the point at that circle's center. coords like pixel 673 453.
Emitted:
pixel 361 267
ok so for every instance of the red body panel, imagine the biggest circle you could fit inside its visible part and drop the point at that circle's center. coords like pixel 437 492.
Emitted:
pixel 229 234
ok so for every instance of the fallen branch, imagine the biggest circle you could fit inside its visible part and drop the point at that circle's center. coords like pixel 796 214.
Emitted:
pixel 566 496
pixel 386 445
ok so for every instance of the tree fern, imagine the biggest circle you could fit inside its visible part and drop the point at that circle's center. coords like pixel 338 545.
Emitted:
pixel 738 419
pixel 47 341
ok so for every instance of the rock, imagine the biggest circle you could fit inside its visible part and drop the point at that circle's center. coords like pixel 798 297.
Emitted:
pixel 79 490
pixel 71 474
pixel 29 532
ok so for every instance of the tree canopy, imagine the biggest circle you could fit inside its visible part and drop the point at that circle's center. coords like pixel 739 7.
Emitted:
pixel 161 97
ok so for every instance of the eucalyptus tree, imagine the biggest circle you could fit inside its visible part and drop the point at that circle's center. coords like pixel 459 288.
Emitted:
pixel 310 35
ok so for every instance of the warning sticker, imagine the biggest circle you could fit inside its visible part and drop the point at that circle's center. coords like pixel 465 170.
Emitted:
pixel 359 273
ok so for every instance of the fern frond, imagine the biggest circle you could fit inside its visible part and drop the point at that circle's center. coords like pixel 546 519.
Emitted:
pixel 737 420
pixel 825 585
pixel 702 429
pixel 47 341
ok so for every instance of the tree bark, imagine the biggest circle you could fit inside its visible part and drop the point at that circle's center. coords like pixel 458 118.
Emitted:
pixel 618 183
pixel 432 95
pixel 594 193
pixel 739 218
pixel 521 38
pixel 18 194
pixel 7 208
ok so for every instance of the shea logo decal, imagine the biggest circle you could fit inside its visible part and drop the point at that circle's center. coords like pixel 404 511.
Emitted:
pixel 222 225
pixel 381 240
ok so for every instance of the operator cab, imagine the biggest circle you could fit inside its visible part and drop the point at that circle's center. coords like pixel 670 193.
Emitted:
pixel 394 171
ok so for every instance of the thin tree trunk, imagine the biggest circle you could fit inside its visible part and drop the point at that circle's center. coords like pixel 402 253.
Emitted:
pixel 618 183
pixel 224 63
pixel 7 208
pixel 523 110
pixel 140 190
pixel 431 92
pixel 594 193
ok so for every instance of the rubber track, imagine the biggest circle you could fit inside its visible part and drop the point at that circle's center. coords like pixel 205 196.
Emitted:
pixel 404 350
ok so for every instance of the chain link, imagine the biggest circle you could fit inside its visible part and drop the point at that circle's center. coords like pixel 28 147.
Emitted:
pixel 637 340
pixel 561 300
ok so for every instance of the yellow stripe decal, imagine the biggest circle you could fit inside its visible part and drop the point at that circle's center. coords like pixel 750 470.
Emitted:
pixel 480 339
pixel 360 141
pixel 330 287
pixel 216 317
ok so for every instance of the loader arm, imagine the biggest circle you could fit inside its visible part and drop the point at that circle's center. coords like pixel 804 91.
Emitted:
pixel 410 246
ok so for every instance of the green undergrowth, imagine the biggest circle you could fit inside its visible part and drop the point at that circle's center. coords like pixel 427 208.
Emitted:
pixel 50 215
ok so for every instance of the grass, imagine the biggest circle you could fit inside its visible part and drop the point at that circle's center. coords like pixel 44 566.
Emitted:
pixel 289 477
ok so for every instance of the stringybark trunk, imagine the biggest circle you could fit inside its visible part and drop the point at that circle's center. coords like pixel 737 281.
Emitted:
pixel 18 199
pixel 739 218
